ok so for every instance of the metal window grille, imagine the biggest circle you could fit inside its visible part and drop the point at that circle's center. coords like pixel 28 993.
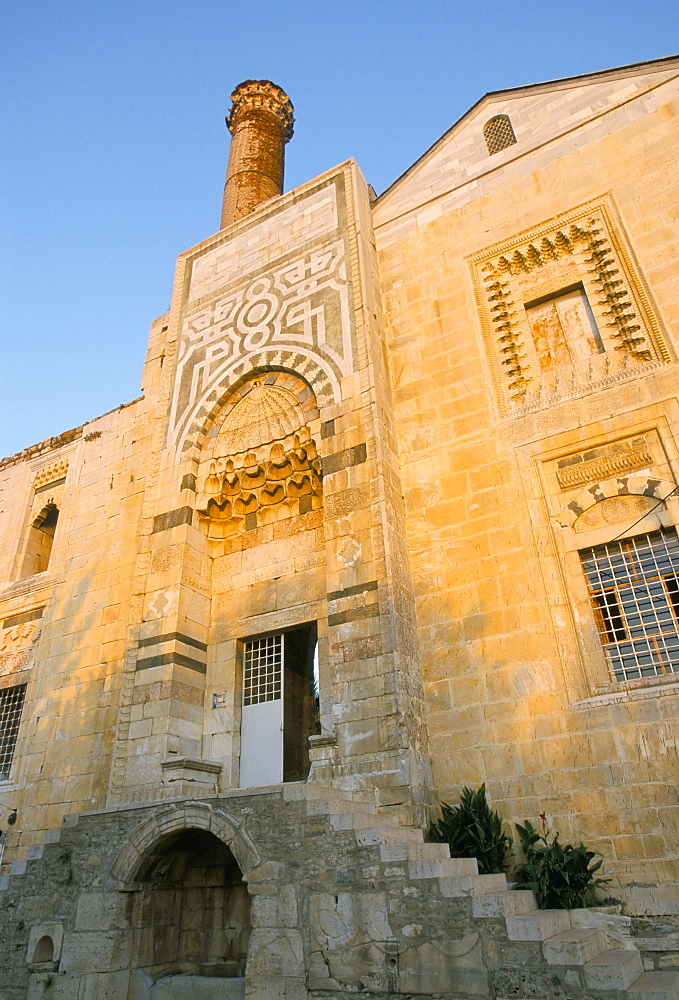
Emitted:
pixel 634 589
pixel 11 704
pixel 498 133
pixel 263 670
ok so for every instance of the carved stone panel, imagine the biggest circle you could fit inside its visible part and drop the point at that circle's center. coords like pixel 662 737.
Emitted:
pixel 564 311
pixel 263 465
pixel 17 646
pixel 295 313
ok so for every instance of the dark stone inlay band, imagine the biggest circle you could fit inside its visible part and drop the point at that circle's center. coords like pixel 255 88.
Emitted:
pixel 344 459
pixel 152 640
pixel 50 486
pixel 358 588
pixel 25 616
pixel 173 518
pixel 354 614
pixel 176 658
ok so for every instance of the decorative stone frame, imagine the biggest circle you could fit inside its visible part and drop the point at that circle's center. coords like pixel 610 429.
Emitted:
pixel 586 246
pixel 188 815
pixel 281 367
pixel 554 508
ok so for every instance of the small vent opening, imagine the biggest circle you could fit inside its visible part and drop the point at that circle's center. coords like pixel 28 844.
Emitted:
pixel 498 133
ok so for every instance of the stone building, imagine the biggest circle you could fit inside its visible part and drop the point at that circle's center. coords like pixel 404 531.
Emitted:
pixel 396 513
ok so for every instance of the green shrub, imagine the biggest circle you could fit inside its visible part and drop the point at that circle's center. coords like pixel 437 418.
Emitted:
pixel 473 830
pixel 561 876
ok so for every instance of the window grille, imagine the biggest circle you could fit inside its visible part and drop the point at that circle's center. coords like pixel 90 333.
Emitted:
pixel 498 133
pixel 263 669
pixel 634 590
pixel 11 704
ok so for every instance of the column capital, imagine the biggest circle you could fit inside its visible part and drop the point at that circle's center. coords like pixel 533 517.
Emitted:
pixel 261 96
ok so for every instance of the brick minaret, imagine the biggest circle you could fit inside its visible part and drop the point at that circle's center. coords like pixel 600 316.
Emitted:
pixel 260 121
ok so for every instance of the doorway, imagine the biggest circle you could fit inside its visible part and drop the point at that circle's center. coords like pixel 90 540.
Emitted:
pixel 280 706
pixel 192 916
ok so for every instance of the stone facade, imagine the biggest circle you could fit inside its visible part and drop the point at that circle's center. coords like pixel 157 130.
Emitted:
pixel 399 431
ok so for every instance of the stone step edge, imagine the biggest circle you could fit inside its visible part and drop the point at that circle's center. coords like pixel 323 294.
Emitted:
pixel 655 985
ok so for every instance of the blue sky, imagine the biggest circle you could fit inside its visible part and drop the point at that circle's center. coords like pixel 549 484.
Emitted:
pixel 114 145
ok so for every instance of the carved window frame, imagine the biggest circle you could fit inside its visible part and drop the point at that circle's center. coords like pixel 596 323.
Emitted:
pixel 48 483
pixel 594 251
pixel 558 541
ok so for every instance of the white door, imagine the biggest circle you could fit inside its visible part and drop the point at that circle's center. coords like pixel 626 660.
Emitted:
pixel 261 735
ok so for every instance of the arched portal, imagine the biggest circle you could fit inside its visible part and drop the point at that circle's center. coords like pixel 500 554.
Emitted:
pixel 191 915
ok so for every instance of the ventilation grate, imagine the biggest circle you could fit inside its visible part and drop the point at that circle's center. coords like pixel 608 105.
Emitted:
pixel 498 133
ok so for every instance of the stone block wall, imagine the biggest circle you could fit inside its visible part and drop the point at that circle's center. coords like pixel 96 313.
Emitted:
pixel 518 692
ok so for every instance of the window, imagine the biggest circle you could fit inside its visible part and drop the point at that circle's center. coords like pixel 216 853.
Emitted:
pixel 11 704
pixel 634 590
pixel 498 133
pixel 263 673
pixel 40 540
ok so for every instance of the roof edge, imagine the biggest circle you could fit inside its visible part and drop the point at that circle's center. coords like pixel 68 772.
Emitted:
pixel 546 84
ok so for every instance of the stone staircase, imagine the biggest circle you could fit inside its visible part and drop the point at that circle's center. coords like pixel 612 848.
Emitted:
pixel 581 957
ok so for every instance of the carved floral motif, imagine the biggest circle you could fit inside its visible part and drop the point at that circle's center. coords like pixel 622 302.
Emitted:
pixel 17 646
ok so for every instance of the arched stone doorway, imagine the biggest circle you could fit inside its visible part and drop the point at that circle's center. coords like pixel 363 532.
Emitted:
pixel 191 913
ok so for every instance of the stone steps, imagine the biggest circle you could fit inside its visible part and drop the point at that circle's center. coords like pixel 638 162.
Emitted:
pixel 413 852
pixel 508 903
pixel 331 805
pixel 602 968
pixel 476 886
pixel 562 945
pixel 656 986
pixel 575 946
pixel 366 821
pixel 445 867
pixel 538 925
pixel 613 970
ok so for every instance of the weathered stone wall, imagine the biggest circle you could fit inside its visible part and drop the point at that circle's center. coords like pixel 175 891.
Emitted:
pixel 518 693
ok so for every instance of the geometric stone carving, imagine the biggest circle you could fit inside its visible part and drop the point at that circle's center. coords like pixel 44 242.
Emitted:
pixel 563 310
pixel 498 133
pixel 603 463
pixel 302 305
pixel 267 413
pixel 637 486
pixel 50 474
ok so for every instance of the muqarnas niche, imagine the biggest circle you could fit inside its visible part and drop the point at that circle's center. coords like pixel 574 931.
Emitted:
pixel 264 466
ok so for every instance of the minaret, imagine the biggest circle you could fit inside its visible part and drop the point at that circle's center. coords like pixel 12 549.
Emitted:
pixel 260 122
